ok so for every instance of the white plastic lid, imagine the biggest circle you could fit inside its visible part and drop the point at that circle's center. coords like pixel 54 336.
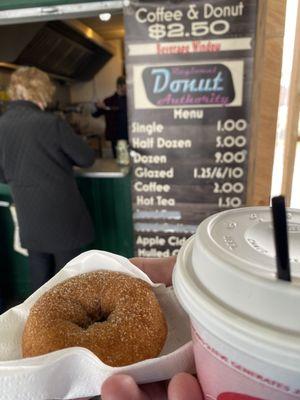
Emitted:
pixel 234 258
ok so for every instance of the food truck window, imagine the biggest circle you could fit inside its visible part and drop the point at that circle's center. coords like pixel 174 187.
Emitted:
pixel 84 56
pixel 82 53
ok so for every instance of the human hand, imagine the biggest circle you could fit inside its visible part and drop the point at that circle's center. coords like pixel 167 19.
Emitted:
pixel 123 387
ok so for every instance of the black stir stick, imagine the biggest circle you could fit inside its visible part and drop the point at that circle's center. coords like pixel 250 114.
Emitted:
pixel 281 238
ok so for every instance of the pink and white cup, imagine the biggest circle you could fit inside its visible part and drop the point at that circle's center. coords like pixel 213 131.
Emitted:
pixel 245 322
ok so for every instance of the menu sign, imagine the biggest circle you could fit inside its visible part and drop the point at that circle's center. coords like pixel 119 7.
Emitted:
pixel 189 73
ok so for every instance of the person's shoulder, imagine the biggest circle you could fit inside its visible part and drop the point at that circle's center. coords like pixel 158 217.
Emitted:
pixel 51 118
pixel 3 121
pixel 7 116
pixel 4 115
pixel 50 121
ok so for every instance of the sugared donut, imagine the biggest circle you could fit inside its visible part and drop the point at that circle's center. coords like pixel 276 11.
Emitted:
pixel 112 314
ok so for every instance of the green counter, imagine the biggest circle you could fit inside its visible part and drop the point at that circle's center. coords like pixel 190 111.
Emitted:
pixel 109 202
pixel 106 189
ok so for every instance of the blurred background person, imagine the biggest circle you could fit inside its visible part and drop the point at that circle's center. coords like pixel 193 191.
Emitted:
pixel 114 108
pixel 37 153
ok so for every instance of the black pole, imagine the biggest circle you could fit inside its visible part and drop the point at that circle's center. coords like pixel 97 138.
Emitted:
pixel 281 238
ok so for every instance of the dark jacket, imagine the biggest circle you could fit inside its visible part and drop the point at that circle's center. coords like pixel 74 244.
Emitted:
pixel 37 153
pixel 115 118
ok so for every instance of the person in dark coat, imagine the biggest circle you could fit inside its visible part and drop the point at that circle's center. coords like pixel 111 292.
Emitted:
pixel 114 108
pixel 37 153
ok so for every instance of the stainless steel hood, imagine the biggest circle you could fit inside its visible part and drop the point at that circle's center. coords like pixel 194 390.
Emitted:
pixel 67 49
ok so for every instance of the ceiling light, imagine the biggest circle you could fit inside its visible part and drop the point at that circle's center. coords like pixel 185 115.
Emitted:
pixel 105 16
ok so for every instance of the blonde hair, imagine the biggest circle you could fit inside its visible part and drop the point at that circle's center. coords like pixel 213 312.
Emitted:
pixel 30 83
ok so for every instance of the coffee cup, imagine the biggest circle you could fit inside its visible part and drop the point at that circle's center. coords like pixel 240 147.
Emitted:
pixel 245 322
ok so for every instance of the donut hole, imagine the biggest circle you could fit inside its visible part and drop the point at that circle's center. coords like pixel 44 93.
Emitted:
pixel 102 318
pixel 91 319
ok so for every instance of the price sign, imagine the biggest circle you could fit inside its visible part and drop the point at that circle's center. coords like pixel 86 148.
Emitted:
pixel 189 72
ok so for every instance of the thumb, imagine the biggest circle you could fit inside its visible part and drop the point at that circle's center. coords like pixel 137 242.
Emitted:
pixel 121 387
pixel 183 385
